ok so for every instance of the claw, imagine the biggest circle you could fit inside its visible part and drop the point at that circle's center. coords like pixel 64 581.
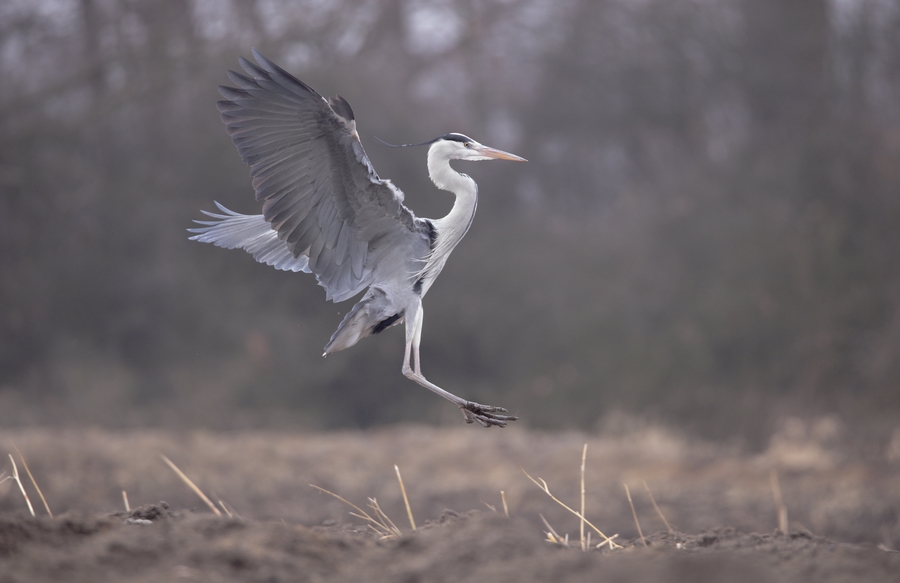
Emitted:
pixel 486 415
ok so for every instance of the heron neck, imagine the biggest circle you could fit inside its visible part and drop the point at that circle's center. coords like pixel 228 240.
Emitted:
pixel 457 222
pixel 451 228
pixel 446 178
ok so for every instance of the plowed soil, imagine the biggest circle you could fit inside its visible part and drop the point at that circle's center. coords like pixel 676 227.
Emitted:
pixel 842 507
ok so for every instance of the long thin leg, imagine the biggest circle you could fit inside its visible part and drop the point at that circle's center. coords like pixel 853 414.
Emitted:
pixel 486 415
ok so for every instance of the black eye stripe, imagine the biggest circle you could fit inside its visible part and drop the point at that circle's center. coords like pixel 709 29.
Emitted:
pixel 456 138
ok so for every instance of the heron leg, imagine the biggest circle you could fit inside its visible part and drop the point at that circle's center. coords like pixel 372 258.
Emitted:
pixel 485 415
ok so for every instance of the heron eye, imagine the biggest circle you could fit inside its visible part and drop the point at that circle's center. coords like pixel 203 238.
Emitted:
pixel 468 144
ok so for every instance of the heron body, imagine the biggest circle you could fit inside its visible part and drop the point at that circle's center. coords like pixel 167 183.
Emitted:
pixel 327 212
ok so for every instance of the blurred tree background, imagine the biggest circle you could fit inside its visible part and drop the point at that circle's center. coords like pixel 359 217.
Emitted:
pixel 707 232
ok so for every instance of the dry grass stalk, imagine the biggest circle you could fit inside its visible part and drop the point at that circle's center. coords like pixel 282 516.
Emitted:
pixel 409 513
pixel 611 542
pixel 542 484
pixel 494 508
pixel 15 476
pixel 34 482
pixel 191 485
pixel 383 525
pixel 552 536
pixel 658 511
pixel 780 508
pixel 125 500
pixel 225 508
pixel 229 512
pixel 584 545
pixel 385 519
pixel 634 514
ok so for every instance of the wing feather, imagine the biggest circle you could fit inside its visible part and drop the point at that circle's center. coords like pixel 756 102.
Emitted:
pixel 326 208
pixel 251 233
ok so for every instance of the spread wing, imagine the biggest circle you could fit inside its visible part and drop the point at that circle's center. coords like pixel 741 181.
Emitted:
pixel 327 210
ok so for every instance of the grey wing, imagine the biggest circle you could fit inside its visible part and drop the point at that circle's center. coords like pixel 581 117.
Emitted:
pixel 323 202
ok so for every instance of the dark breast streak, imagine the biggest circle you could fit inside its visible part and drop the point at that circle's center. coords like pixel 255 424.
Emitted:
pixel 431 231
pixel 386 323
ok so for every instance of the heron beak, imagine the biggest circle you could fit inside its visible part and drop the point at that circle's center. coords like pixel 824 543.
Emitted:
pixel 499 154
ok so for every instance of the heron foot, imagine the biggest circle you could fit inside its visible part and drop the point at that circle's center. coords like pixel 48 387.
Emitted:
pixel 485 415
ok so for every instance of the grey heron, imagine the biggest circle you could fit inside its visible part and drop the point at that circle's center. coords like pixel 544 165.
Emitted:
pixel 326 211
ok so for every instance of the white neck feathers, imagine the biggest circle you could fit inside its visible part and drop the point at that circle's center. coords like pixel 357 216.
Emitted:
pixel 451 228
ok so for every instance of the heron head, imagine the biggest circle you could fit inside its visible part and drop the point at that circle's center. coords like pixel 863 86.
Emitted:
pixel 460 147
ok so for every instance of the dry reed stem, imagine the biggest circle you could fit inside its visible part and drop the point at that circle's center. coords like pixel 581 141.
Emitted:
pixel 780 508
pixel 191 485
pixel 634 514
pixel 409 513
pixel 494 508
pixel 611 542
pixel 383 530
pixel 225 508
pixel 15 476
pixel 125 499
pixel 658 511
pixel 229 512
pixel 584 546
pixel 546 489
pixel 36 487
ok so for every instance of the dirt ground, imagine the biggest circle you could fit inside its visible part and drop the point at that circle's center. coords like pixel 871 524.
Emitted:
pixel 842 505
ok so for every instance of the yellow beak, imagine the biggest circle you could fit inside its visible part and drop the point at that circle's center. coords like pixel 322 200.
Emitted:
pixel 499 154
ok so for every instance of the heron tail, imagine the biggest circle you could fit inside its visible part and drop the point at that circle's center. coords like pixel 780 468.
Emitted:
pixel 372 314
